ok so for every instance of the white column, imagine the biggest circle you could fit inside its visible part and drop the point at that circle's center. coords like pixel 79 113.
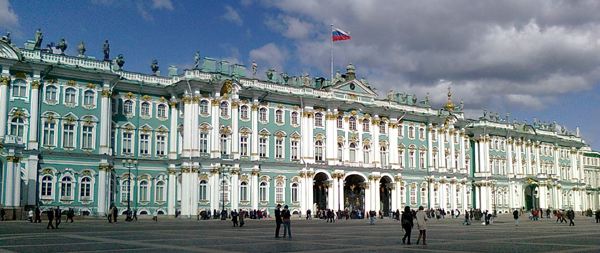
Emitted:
pixel 331 141
pixel 477 160
pixel 509 160
pixel 186 197
pixel 214 133
pixel 375 140
pixel 376 194
pixel 334 192
pixel 486 154
pixel 194 188
pixel 254 142
pixel 452 167
pixel 102 189
pixel 431 132
pixel 462 157
pixel 393 137
pixel 235 139
pixel 9 182
pixel 443 191
pixel 254 186
pixel 310 179
pixel 477 197
pixel 518 161
pixel 441 150
pixel 214 189
pixel 105 118
pixel 4 99
pixel 543 195
pixel 173 134
pixel 34 114
pixel 303 192
pixel 235 187
pixel 573 165
pixel 172 191
pixel 536 149
pixel 331 192
pixel 341 196
pixel 17 181
pixel 431 193
pixel 368 198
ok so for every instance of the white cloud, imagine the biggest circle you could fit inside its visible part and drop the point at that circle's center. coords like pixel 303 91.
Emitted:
pixel 142 10
pixel 8 18
pixel 162 4
pixel 232 15
pixel 290 27
pixel 269 56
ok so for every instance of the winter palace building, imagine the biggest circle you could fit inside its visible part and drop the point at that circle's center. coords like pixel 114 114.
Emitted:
pixel 83 133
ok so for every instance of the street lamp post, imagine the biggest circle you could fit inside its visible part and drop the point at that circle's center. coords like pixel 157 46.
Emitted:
pixel 129 163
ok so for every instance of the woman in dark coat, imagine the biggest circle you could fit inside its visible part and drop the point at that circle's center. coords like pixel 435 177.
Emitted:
pixel 407 224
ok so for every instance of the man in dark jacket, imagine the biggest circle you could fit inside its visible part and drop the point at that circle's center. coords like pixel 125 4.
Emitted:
pixel 50 218
pixel 57 214
pixel 516 216
pixel 278 220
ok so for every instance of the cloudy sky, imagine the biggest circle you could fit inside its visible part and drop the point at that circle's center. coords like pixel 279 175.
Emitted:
pixel 533 59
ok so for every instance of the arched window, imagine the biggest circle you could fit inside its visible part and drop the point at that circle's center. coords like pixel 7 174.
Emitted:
pixel 279 116
pixel 224 189
pixel 244 145
pixel 46 187
pixel 145 110
pixel 144 196
pixel 421 133
pixel 224 144
pixel 203 193
pixel 366 124
pixel 224 109
pixel 318 119
pixel 424 196
pixel 279 192
pixel 203 143
pixel 411 132
pixel 279 148
pixel 422 160
pixel 383 153
pixel 128 107
pixel 19 89
pixel 366 154
pixel 125 191
pixel 51 93
pixel 294 196
pixel 262 114
pixel 413 196
pixel 244 112
pixel 160 191
pixel 244 191
pixel 17 127
pixel 204 107
pixel 352 152
pixel 352 123
pixel 89 97
pixel 85 190
pixel 319 150
pixel 161 111
pixel 401 157
pixel 294 118
pixel 70 96
pixel 262 192
pixel 411 159
pixel 66 188
pixel 340 122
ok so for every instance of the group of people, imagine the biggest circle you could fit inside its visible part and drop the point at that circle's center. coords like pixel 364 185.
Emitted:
pixel 408 217
pixel 283 216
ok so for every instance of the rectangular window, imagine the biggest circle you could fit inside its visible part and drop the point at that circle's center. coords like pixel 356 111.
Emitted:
pixel 262 147
pixel 203 143
pixel 127 141
pixel 279 148
pixel 69 135
pixel 244 146
pixel 161 146
pixel 144 144
pixel 49 132
pixel 294 150
pixel 87 140
pixel 279 194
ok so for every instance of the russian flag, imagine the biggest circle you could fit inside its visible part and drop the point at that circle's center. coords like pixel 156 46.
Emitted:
pixel 339 34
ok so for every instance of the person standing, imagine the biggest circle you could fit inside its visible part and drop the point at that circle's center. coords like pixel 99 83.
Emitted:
pixel 115 214
pixel 467 220
pixel 135 214
pixel 38 215
pixel 422 225
pixel 286 215
pixel 2 213
pixel 278 220
pixel 57 215
pixel 110 215
pixel 50 219
pixel 234 218
pixel 372 216
pixel 516 216
pixel 571 217
pixel 30 215
pixel 598 216
pixel 155 215
pixel 70 215
pixel 407 224
pixel 242 213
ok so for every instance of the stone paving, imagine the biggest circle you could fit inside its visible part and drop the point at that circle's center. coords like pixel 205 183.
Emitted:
pixel 189 235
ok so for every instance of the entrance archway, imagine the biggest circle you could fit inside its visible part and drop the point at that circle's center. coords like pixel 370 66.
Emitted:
pixel 385 194
pixel 320 191
pixel 354 191
pixel 532 200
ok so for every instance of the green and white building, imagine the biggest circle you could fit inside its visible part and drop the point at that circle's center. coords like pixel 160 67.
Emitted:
pixel 82 133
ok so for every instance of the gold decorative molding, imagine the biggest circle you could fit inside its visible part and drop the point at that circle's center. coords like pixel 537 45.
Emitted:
pixel 36 84
pixel 129 95
pixel 71 83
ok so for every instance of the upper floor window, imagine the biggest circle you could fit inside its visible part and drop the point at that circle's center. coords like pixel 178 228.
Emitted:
pixel 51 93
pixel 244 112
pixel 262 114
pixel 70 96
pixel 365 124
pixel 66 189
pixel 224 109
pixel 19 89
pixel 49 134
pixel 145 109
pixel 87 137
pixel 85 188
pixel 294 118
pixel 382 127
pixel 204 107
pixel 161 111
pixel 46 187
pixel 318 119
pixel 17 127
pixel 340 122
pixel 319 150
pixel 279 117
pixel 352 123
pixel 89 97
pixel 128 107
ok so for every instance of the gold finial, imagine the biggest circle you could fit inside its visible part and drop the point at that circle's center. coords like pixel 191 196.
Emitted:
pixel 449 106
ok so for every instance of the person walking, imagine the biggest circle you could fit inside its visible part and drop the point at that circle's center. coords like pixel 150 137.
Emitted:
pixel 598 216
pixel 372 215
pixel 70 215
pixel 278 220
pixel 422 225
pixel 38 215
pixel 57 214
pixel 407 224
pixel 467 220
pixel 234 218
pixel 516 217
pixel 50 218
pixel 30 215
pixel 155 215
pixel 115 214
pixel 135 214
pixel 571 217
pixel 286 215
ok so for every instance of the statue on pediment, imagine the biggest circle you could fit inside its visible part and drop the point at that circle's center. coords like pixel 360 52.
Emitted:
pixel 405 98
pixel 462 105
pixel 119 61
pixel 81 49
pixel 284 78
pixel 106 51
pixel 390 95
pixel 39 37
pixel 414 99
pixel 306 82
pixel 6 38
pixel 154 67
pixel 197 60
pixel 254 69
pixel 62 46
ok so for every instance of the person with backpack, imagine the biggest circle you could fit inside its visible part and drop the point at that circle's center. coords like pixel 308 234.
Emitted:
pixel 407 224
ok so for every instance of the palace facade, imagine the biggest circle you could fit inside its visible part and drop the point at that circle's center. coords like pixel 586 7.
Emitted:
pixel 83 133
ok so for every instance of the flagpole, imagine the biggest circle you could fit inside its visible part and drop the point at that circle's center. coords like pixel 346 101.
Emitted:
pixel 331 35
